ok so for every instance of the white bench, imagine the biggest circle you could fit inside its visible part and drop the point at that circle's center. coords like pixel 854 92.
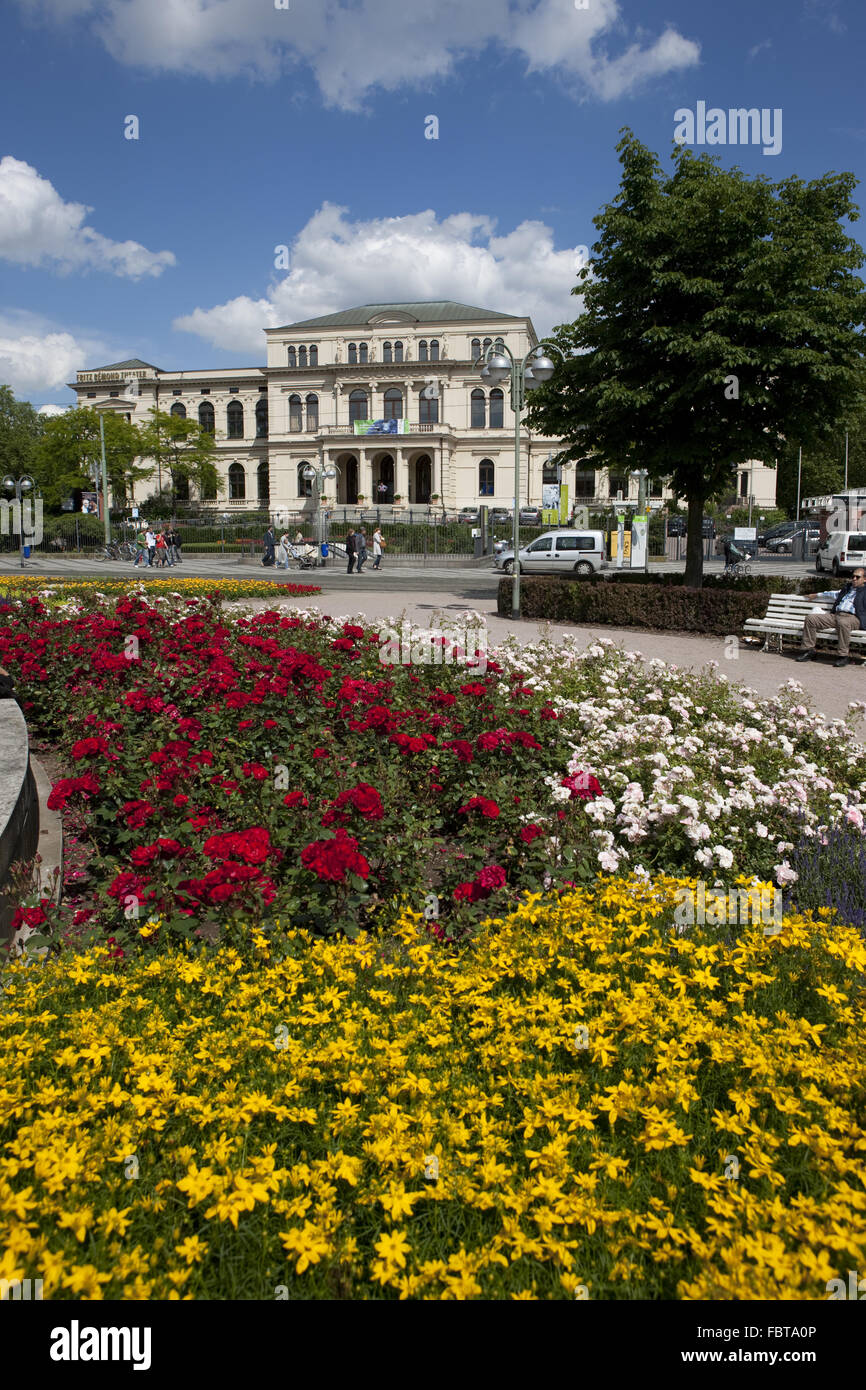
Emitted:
pixel 784 618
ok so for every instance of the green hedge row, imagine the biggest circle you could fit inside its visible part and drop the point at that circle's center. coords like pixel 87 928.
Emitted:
pixel 717 610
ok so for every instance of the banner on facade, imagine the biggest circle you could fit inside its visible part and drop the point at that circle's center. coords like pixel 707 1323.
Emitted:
pixel 381 426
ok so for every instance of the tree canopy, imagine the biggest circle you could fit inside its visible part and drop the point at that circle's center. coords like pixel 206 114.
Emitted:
pixel 721 324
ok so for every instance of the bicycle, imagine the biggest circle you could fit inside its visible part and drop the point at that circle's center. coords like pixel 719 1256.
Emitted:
pixel 108 552
pixel 737 569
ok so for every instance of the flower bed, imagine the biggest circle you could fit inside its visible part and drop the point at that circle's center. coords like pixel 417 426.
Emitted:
pixel 584 1103
pixel 220 590
pixel 233 770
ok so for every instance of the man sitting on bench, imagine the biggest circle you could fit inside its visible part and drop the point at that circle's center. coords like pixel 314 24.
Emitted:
pixel 847 615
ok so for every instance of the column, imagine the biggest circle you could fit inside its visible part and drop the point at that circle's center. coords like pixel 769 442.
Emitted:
pixel 371 390
pixel 365 475
pixel 401 473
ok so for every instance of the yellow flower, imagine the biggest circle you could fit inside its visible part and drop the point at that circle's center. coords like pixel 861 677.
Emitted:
pixel 193 1249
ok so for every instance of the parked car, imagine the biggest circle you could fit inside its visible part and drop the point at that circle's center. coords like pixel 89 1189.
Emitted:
pixel 842 552
pixel 784 544
pixel 469 515
pixel 557 552
pixel 530 516
pixel 781 529
pixel 500 516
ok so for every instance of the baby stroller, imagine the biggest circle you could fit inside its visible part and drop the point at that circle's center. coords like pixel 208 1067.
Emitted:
pixel 304 557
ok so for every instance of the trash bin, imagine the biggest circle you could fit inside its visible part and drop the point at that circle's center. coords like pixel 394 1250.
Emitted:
pixel 27 552
pixel 324 550
pixel 798 545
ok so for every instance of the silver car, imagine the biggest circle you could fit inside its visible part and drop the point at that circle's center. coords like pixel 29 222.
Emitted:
pixel 557 552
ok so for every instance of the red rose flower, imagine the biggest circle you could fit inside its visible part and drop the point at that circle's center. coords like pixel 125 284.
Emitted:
pixel 530 833
pixel 480 803
pixel 331 860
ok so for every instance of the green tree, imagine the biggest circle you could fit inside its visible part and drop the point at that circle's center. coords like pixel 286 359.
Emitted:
pixel 720 321
pixel 20 431
pixel 70 455
pixel 185 450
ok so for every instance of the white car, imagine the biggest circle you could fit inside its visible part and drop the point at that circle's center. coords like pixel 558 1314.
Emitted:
pixel 557 552
pixel 842 552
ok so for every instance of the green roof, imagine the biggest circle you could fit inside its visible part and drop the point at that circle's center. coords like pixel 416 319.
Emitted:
pixel 425 311
pixel 131 365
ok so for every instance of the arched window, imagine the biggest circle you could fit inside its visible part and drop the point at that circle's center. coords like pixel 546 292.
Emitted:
pixel 428 409
pixel 398 352
pixel 181 488
pixel 296 420
pixel 206 418
pixel 235 419
pixel 363 353
pixel 312 412
pixel 305 485
pixel 488 342
pixel 237 482
pixel 178 410
pixel 434 350
pixel 387 354
pixel 263 477
pixel 476 349
pixel 497 410
pixel 353 354
pixel 314 356
pixel 500 343
pixel 293 357
pixel 485 478
pixel 422 350
pixel 393 404
pixel 209 490
pixel 302 357
pixel 478 420
pixel 262 417
pixel 358 406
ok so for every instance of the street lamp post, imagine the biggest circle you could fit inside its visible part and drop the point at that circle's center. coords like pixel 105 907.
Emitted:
pixel 317 476
pixel 527 375
pixel 19 486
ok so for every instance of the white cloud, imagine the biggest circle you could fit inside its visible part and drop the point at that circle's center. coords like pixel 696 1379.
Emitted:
pixel 37 228
pixel 337 264
pixel 52 410
pixel 759 48
pixel 352 49
pixel 38 358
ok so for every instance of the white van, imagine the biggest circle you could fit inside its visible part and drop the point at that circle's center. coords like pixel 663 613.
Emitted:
pixel 842 552
pixel 557 552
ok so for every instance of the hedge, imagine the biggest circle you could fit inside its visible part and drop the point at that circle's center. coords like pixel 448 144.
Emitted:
pixel 654 601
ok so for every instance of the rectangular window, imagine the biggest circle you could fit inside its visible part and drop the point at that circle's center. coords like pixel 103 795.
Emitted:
pixel 177 391
pixel 234 390
pixel 205 390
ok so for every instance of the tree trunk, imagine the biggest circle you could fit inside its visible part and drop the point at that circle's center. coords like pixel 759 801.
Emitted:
pixel 695 544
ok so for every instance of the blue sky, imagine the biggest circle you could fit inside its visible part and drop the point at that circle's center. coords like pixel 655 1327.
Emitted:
pixel 305 127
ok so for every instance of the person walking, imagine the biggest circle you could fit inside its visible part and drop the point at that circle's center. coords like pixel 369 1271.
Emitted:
pixel 362 550
pixel 350 550
pixel 171 543
pixel 378 547
pixel 150 537
pixel 270 542
pixel 284 552
pixel 847 615
pixel 161 550
pixel 141 542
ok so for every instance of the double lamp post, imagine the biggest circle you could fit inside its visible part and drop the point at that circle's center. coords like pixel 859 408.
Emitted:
pixel 528 374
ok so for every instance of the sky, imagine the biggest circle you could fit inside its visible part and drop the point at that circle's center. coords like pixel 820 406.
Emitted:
pixel 178 175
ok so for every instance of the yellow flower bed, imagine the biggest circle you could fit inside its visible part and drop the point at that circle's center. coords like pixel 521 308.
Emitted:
pixel 21 586
pixel 581 1103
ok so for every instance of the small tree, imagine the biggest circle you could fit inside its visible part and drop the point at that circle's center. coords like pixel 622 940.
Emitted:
pixel 721 318
pixel 70 455
pixel 185 449
pixel 20 432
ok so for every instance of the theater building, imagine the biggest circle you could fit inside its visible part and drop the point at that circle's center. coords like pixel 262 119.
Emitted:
pixel 389 394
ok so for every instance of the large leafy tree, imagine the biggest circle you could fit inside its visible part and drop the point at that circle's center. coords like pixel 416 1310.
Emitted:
pixel 721 322
pixel 185 451
pixel 20 431
pixel 70 455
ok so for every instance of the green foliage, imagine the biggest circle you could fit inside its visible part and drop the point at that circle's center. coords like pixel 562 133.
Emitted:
pixel 695 279
pixel 185 450
pixel 20 431
pixel 70 453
